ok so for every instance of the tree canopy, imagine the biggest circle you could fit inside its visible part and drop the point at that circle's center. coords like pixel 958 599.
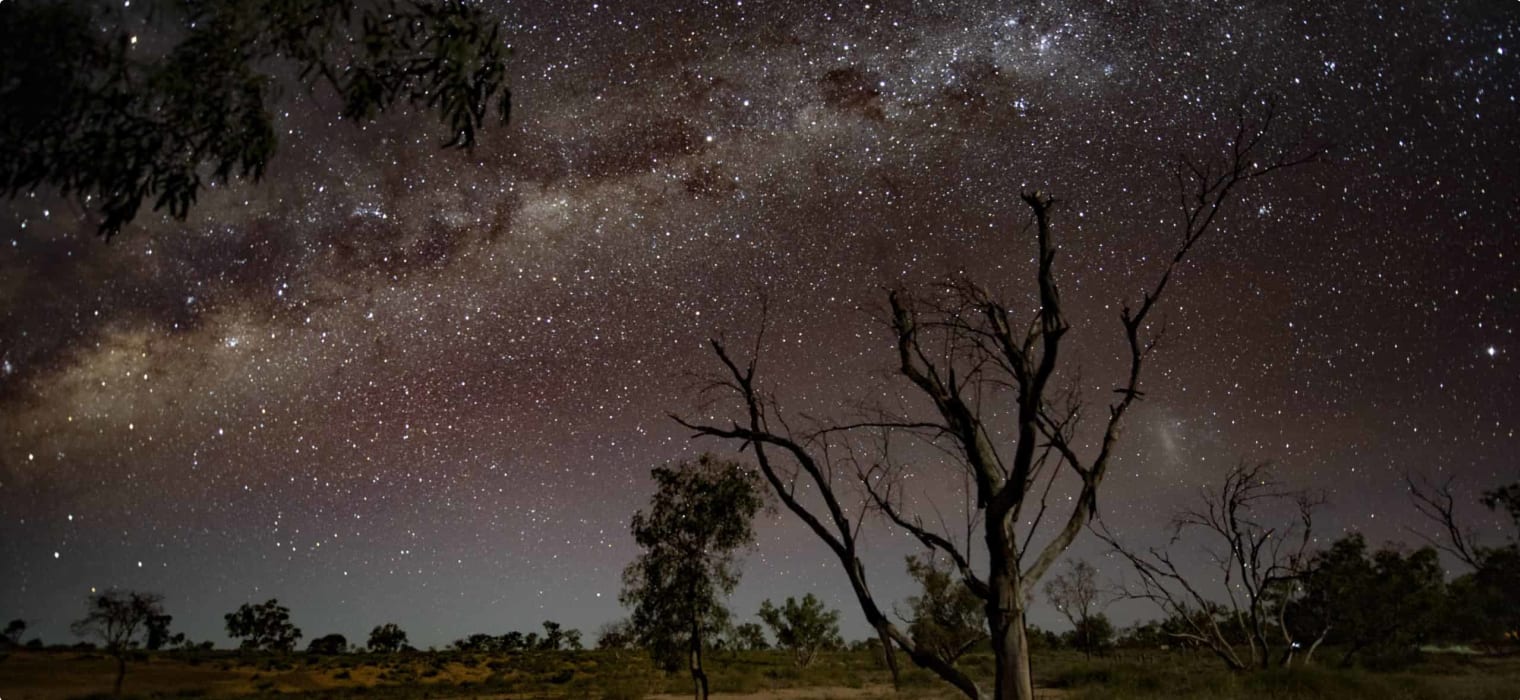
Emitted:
pixel 265 626
pixel 330 644
pixel 803 628
pixel 387 638
pixel 121 620
pixel 117 118
pixel 1384 602
pixel 945 618
pixel 698 519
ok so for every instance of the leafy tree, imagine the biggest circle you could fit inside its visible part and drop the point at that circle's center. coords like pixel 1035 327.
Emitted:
pixel 1484 604
pixel 120 620
pixel 1330 591
pixel 1143 635
pixel 1040 639
pixel 945 618
pixel 388 638
pixel 265 626
pixel 554 636
pixel 572 640
pixel 617 634
pixel 699 517
pixel 1092 633
pixel 1076 594
pixel 1494 585
pixel 1384 603
pixel 329 644
pixel 478 642
pixel 1506 498
pixel 158 633
pixel 13 631
pixel 749 636
pixel 515 640
pixel 804 629
pixel 87 111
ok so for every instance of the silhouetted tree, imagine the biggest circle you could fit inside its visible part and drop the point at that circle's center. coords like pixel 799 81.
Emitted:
pixel 1384 604
pixel 480 642
pixel 945 618
pixel 1144 635
pixel 1257 566
pixel 988 375
pixel 118 619
pixel 1483 604
pixel 1077 595
pixel 265 626
pixel 1329 593
pixel 1437 504
pixel 804 628
pixel 330 644
pixel 554 636
pixel 699 517
pixel 1092 633
pixel 617 635
pixel 158 633
pixel 388 638
pixel 13 631
pixel 749 636
pixel 87 111
pixel 1044 639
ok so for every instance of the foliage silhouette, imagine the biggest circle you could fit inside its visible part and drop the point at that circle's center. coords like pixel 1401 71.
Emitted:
pixel 265 626
pixel 100 116
pixel 328 644
pixel 13 631
pixel 121 621
pixel 388 638
pixel 1383 603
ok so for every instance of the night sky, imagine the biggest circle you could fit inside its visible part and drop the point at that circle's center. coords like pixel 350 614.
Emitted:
pixel 394 382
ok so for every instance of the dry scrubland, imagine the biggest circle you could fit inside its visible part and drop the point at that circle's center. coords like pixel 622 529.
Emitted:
pixel 605 675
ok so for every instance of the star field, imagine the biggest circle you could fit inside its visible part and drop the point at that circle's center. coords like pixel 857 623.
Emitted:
pixel 393 382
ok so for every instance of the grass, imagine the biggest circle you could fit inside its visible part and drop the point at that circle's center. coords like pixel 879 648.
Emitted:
pixel 605 675
pixel 1185 676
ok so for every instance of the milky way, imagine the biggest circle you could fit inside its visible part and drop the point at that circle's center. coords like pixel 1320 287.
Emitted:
pixel 393 382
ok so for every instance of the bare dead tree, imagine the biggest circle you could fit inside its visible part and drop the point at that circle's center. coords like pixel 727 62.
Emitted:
pixel 1255 565
pixel 1437 504
pixel 976 361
